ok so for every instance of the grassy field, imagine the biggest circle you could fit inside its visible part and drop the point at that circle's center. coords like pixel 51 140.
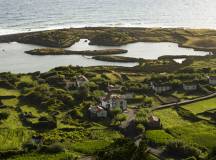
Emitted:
pixel 90 146
pixel 211 63
pixel 13 121
pixel 10 102
pixel 195 132
pixel 12 139
pixel 35 156
pixel 9 92
pixel 201 106
pixel 185 96
pixel 158 137
pixel 26 78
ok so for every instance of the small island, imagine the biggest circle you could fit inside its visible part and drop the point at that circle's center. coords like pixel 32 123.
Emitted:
pixel 60 51
pixel 108 58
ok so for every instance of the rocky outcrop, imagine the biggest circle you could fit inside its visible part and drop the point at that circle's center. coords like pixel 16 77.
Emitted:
pixel 60 39
pixel 112 38
pixel 59 51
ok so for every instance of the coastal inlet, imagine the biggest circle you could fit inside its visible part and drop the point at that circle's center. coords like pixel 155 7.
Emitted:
pixel 13 57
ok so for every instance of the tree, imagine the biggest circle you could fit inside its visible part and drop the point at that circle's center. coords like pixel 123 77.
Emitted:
pixel 141 152
pixel 83 92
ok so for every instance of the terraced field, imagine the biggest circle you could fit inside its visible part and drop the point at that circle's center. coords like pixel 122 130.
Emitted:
pixel 201 106
pixel 200 132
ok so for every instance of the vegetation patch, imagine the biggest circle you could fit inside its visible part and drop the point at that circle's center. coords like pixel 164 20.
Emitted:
pixel 200 133
pixel 201 106
pixel 12 139
pixel 158 137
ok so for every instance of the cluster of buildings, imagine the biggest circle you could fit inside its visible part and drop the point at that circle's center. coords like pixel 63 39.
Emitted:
pixel 187 86
pixel 108 103
pixel 78 81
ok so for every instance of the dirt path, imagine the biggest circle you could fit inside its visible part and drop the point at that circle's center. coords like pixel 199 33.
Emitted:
pixel 131 113
pixel 128 127
pixel 87 158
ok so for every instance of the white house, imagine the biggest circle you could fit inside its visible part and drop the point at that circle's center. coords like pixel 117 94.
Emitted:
pixel 161 87
pixel 212 80
pixel 190 86
pixel 81 80
pixel 111 102
pixel 97 112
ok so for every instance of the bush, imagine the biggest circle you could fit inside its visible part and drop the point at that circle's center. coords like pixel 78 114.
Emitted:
pixel 29 146
pixel 45 124
pixel 23 85
pixel 187 114
pixel 6 84
pixel 140 128
pixel 4 115
pixel 141 116
pixel 53 148
pixel 76 113
pixel 121 149
pixel 180 149
pixel 121 117
pixel 116 111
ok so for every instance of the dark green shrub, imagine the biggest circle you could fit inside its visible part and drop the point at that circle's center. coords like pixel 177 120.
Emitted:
pixel 180 149
pixel 53 148
pixel 4 115
pixel 29 146
pixel 45 124
pixel 6 84
pixel 23 85
pixel 121 149
pixel 187 114
pixel 140 128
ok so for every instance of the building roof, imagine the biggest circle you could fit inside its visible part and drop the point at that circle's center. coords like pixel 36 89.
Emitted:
pixel 96 109
pixel 153 119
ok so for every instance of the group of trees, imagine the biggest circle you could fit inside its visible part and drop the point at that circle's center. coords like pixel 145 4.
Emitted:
pixel 124 149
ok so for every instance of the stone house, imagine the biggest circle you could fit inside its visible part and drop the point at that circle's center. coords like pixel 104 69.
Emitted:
pixel 97 112
pixel 212 80
pixel 161 87
pixel 129 95
pixel 81 80
pixel 190 86
pixel 111 102
pixel 154 122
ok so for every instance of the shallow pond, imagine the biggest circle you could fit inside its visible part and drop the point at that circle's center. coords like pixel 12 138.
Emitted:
pixel 13 58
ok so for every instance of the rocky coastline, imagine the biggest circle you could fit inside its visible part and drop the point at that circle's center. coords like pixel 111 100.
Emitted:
pixel 198 39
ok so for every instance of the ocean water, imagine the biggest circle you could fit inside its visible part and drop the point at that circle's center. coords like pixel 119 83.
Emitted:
pixel 32 15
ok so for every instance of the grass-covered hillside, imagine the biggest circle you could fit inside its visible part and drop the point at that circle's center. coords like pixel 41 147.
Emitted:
pixel 46 115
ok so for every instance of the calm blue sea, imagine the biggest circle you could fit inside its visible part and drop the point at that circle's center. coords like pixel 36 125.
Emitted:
pixel 31 15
